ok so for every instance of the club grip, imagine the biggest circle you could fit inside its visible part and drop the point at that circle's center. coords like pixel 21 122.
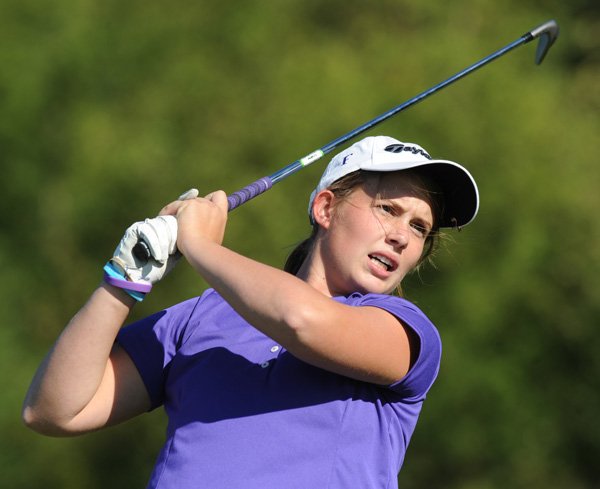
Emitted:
pixel 141 250
pixel 249 192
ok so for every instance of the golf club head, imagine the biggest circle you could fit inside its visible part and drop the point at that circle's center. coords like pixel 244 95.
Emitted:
pixel 547 33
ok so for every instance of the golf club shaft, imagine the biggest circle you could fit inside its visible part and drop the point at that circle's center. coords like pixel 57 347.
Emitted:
pixel 547 33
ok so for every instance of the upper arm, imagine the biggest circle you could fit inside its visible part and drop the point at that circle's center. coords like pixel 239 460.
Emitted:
pixel 365 343
pixel 121 395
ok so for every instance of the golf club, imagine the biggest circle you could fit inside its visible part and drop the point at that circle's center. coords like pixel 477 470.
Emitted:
pixel 546 33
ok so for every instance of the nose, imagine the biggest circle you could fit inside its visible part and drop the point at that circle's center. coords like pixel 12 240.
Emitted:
pixel 397 237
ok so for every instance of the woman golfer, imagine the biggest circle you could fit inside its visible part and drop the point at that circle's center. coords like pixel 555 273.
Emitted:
pixel 312 377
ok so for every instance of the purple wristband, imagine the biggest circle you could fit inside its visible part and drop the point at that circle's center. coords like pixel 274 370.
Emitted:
pixel 126 284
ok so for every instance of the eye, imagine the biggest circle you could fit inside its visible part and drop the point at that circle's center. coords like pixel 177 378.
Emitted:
pixel 420 228
pixel 387 209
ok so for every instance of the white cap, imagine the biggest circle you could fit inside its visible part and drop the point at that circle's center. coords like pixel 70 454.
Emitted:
pixel 460 196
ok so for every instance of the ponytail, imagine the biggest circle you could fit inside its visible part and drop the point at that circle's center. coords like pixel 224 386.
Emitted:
pixel 300 253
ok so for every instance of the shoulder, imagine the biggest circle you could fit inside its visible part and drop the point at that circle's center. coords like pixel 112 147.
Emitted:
pixel 429 345
pixel 406 312
pixel 166 326
pixel 403 309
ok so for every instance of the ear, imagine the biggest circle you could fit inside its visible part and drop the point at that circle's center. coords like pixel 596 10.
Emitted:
pixel 322 209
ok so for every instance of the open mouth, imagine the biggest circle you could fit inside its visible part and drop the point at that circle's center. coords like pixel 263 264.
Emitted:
pixel 382 262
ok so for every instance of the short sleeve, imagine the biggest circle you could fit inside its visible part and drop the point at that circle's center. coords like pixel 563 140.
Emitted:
pixel 420 378
pixel 153 342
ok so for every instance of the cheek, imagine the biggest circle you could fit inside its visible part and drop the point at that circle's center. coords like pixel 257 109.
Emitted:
pixel 416 254
pixel 357 224
pixel 368 224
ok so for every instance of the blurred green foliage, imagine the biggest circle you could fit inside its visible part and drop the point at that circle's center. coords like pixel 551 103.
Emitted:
pixel 111 109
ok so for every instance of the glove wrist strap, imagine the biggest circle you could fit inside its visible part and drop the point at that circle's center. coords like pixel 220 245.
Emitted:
pixel 137 290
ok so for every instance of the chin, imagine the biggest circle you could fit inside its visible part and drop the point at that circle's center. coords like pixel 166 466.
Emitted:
pixel 371 285
pixel 377 289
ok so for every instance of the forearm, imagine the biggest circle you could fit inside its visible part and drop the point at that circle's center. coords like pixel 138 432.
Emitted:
pixel 280 305
pixel 300 315
pixel 72 371
pixel 273 301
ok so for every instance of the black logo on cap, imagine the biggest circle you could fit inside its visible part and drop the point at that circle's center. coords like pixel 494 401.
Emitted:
pixel 399 148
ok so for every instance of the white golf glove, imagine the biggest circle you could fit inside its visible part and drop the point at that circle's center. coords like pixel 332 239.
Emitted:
pixel 136 272
pixel 160 236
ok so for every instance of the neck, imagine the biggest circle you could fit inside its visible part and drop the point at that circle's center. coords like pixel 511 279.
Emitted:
pixel 312 272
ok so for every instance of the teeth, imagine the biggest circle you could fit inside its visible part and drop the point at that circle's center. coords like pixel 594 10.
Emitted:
pixel 384 261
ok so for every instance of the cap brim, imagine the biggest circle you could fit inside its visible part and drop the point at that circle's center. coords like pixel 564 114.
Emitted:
pixel 458 187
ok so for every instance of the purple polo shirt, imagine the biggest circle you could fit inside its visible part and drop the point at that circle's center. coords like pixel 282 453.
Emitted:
pixel 245 413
